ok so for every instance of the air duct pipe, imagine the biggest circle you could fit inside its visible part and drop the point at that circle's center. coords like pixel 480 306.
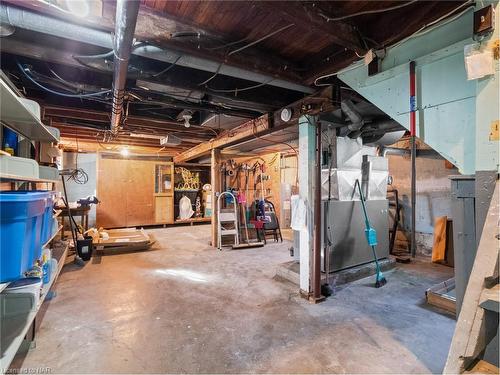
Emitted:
pixel 376 128
pixel 350 111
pixel 126 19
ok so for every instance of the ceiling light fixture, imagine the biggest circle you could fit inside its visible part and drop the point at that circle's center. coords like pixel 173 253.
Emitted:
pixel 186 118
pixel 286 114
pixel 80 8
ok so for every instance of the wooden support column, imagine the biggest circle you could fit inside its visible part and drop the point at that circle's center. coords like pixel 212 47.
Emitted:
pixel 216 186
pixel 307 131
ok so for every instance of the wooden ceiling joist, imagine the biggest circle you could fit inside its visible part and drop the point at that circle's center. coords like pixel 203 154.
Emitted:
pixel 58 114
pixel 238 134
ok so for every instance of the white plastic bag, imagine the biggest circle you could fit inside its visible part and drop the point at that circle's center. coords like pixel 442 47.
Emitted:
pixel 185 208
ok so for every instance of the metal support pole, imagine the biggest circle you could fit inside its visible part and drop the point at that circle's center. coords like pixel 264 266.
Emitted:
pixel 316 274
pixel 413 131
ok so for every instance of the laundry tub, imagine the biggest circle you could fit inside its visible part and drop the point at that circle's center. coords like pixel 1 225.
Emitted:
pixel 21 219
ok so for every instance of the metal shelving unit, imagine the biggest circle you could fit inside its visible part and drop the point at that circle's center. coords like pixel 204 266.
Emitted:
pixel 17 116
pixel 23 116
pixel 12 349
pixel 14 178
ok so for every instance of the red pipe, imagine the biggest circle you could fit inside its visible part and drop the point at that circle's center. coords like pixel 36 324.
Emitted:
pixel 413 133
pixel 413 104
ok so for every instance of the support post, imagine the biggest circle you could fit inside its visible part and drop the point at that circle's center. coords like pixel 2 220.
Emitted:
pixel 215 178
pixel 413 133
pixel 307 131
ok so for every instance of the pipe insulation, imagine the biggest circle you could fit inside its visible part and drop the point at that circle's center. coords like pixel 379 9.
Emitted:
pixel 29 20
pixel 125 21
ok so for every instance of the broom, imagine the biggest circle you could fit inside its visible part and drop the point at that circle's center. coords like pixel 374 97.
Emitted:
pixel 371 237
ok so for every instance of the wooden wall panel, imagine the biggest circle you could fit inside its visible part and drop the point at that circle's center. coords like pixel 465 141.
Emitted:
pixel 111 189
pixel 140 193
pixel 272 186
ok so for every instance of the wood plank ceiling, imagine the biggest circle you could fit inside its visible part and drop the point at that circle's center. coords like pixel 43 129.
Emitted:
pixel 292 41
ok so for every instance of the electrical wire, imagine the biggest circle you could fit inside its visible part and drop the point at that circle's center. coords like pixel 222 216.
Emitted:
pixel 56 92
pixel 78 175
pixel 168 68
pixel 261 39
pixel 236 90
pixel 212 77
pixel 239 50
pixel 254 133
pixel 333 19
pixel 421 31
pixel 227 44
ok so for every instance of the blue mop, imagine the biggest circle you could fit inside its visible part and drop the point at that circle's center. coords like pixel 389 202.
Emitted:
pixel 371 237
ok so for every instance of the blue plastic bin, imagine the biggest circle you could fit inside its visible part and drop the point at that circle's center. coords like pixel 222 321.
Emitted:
pixel 47 217
pixel 21 218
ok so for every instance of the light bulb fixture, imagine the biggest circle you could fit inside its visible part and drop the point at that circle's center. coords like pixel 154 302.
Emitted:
pixel 286 114
pixel 124 152
pixel 186 118
pixel 79 8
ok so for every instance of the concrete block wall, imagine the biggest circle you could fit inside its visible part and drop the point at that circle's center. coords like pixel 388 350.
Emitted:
pixel 433 195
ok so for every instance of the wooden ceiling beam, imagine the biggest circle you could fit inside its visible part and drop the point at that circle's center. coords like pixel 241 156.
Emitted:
pixel 69 144
pixel 132 121
pixel 238 134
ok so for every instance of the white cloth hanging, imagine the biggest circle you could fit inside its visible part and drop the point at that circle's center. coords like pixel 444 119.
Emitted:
pixel 185 208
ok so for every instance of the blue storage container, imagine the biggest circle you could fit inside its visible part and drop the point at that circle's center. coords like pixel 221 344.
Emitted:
pixel 21 218
pixel 47 226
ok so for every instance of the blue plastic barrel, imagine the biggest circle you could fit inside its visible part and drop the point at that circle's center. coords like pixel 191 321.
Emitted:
pixel 21 218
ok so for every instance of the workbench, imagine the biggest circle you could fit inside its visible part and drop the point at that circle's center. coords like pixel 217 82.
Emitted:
pixel 82 211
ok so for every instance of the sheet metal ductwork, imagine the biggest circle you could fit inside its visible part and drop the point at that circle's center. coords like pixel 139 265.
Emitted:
pixel 350 111
pixel 126 19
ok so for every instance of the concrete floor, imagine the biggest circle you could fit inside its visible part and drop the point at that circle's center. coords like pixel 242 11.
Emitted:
pixel 186 308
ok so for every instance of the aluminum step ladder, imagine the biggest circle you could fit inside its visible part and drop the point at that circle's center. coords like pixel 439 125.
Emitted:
pixel 477 323
pixel 227 220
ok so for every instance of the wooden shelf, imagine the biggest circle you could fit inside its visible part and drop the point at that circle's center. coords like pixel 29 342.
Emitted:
pixel 12 177
pixel 11 351
pixel 194 220
pixel 17 116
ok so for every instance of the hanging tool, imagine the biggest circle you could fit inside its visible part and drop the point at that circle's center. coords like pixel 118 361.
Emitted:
pixel 262 202
pixel 371 237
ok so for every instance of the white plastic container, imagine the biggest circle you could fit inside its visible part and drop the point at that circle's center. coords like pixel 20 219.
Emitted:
pixel 32 285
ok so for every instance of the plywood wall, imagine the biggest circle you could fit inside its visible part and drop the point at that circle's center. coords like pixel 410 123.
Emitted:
pixel 272 186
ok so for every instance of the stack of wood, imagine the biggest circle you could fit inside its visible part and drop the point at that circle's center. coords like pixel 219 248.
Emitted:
pixel 121 239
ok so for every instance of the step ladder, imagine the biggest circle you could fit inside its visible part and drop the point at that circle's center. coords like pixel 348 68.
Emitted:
pixel 477 324
pixel 227 220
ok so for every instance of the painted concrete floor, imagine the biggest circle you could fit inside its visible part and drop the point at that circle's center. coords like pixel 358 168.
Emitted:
pixel 186 308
